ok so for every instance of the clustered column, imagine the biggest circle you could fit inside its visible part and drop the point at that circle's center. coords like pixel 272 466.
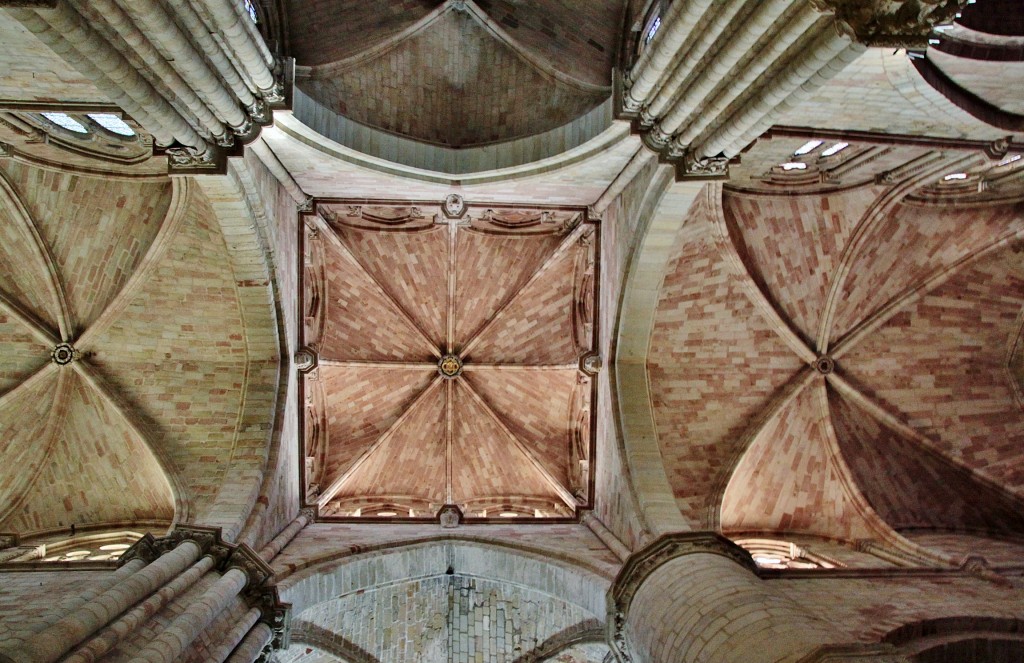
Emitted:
pixel 154 573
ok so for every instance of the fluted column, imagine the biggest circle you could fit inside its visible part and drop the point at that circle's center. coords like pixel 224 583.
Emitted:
pixel 694 58
pixel 176 638
pixel 826 47
pixel 253 645
pixel 53 642
pixel 114 633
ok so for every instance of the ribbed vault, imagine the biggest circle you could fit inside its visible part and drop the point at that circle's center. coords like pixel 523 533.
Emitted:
pixel 125 353
pixel 506 294
pixel 842 365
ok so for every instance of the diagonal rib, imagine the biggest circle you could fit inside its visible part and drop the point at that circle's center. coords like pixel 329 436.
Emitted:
pixel 21 215
pixel 332 490
pixel 327 230
pixel 559 252
pixel 555 484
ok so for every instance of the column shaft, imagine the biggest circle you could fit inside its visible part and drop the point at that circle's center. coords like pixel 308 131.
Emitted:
pixel 233 637
pixel 50 644
pixel 251 648
pixel 115 632
pixel 176 638
pixel 242 44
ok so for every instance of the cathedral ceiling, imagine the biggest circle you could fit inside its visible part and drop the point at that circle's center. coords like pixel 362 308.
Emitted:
pixel 130 364
pixel 449 360
pixel 456 74
pixel 843 364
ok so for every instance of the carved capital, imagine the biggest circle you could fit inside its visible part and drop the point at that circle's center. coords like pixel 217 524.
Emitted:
pixel 702 167
pixel 245 559
pixel 188 161
pixel 144 549
pixel 306 206
pixel 8 540
pixel 890 23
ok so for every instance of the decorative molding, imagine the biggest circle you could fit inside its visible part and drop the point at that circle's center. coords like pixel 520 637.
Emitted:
pixel 450 516
pixel 306 359
pixel 890 23
pixel 454 206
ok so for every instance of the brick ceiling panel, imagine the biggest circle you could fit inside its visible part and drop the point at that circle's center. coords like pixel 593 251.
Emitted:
pixel 480 447
pixel 22 355
pixel 941 365
pixel 787 480
pixel 24 419
pixel 357 308
pixel 714 365
pixel 479 89
pixel 911 244
pixel 411 461
pixel 578 36
pixel 97 230
pixel 914 487
pixel 403 262
pixel 510 314
pixel 178 354
pixel 362 404
pixel 792 245
pixel 497 267
pixel 537 326
pixel 97 471
pixel 23 279
pixel 324 31
pixel 536 406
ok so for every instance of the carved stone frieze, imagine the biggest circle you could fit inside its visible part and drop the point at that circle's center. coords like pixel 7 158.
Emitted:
pixel 890 23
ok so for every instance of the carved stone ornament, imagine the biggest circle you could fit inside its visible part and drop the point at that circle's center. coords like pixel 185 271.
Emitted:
pixel 8 540
pixel 454 207
pixel 591 364
pixel 694 166
pixel 643 563
pixel 998 148
pixel 63 354
pixel 450 366
pixel 149 548
pixel 6 150
pixel 450 516
pixel 187 159
pixel 890 23
pixel 306 206
pixel 225 140
pixel 824 364
pixel 305 359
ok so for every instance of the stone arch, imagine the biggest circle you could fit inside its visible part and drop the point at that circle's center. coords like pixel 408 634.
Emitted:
pixel 962 638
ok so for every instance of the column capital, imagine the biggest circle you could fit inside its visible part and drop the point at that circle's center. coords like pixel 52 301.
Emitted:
pixel 890 23
pixel 642 563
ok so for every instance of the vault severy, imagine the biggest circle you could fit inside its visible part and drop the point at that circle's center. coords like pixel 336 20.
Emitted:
pixel 451 344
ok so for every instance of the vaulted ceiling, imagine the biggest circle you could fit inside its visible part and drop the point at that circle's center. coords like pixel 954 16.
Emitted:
pixel 429 70
pixel 127 358
pixel 843 364
pixel 507 297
